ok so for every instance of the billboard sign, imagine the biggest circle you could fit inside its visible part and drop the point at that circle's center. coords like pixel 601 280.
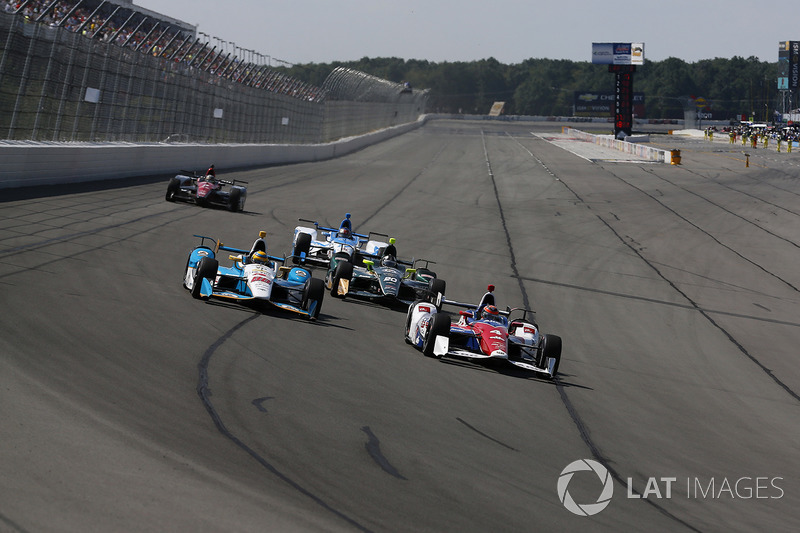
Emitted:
pixel 618 53
pixel 783 64
pixel 603 103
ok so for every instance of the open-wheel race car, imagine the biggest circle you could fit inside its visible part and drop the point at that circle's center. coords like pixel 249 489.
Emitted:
pixel 254 277
pixel 483 333
pixel 385 280
pixel 207 190
pixel 317 245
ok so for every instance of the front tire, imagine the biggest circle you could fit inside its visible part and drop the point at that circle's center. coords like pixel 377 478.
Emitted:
pixel 550 346
pixel 344 270
pixel 314 291
pixel 206 269
pixel 440 325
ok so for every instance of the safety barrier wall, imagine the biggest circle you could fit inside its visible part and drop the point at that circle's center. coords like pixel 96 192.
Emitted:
pixel 74 108
pixel 608 141
pixel 31 164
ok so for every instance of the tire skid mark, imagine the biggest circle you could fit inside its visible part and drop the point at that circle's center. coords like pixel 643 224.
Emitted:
pixel 406 186
pixel 704 313
pixel 204 392
pixel 712 237
pixel 573 412
pixel 482 434
pixel 373 447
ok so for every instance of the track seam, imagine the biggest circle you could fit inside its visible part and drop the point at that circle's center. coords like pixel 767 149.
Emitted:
pixel 573 413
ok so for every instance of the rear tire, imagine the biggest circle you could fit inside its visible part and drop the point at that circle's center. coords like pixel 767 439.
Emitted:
pixel 206 269
pixel 344 270
pixel 173 189
pixel 440 325
pixel 301 246
pixel 550 346
pixel 437 286
pixel 234 199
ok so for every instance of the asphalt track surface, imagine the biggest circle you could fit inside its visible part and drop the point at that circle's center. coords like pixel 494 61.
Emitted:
pixel 129 406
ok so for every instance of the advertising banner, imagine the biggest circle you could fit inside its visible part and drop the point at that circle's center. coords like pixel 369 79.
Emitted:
pixel 603 103
pixel 618 53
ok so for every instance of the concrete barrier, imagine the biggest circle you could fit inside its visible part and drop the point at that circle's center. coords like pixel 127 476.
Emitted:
pixel 629 146
pixel 24 164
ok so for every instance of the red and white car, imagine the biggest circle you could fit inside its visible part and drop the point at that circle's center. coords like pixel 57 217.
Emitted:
pixel 483 333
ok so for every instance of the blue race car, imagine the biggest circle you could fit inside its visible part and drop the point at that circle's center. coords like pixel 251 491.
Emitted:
pixel 317 245
pixel 253 277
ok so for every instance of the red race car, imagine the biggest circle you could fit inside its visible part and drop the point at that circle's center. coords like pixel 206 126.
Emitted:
pixel 484 333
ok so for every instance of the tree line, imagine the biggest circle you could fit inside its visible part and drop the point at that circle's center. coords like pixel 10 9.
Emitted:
pixel 729 87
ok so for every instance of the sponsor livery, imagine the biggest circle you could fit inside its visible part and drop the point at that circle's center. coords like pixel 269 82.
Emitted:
pixel 253 277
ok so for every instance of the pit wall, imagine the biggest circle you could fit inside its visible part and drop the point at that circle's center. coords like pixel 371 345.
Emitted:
pixel 628 146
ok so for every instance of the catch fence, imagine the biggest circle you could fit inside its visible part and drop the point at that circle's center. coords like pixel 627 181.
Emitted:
pixel 60 85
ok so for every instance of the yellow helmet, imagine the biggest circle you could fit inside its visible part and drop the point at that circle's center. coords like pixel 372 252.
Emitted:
pixel 260 257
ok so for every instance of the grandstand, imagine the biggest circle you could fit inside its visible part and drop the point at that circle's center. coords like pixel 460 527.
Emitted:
pixel 109 71
pixel 125 24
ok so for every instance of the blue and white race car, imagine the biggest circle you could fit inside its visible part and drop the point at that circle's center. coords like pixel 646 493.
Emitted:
pixel 317 245
pixel 254 277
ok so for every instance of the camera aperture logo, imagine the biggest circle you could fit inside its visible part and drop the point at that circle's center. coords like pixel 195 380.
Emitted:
pixel 742 488
pixel 586 509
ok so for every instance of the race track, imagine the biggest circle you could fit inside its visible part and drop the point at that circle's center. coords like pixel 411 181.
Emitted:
pixel 129 406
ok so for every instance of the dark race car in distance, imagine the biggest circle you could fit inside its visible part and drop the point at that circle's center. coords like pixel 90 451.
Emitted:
pixel 206 190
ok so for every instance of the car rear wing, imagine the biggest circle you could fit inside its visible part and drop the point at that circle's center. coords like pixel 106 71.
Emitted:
pixel 475 306
pixel 219 246
pixel 195 175
pixel 525 312
pixel 333 230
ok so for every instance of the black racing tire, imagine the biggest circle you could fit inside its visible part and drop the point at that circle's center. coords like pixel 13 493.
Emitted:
pixel 301 246
pixel 173 189
pixel 549 346
pixel 437 286
pixel 206 269
pixel 234 199
pixel 313 290
pixel 344 270
pixel 440 325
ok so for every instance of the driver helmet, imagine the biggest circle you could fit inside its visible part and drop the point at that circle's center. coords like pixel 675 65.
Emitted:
pixel 491 312
pixel 389 261
pixel 344 232
pixel 260 258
